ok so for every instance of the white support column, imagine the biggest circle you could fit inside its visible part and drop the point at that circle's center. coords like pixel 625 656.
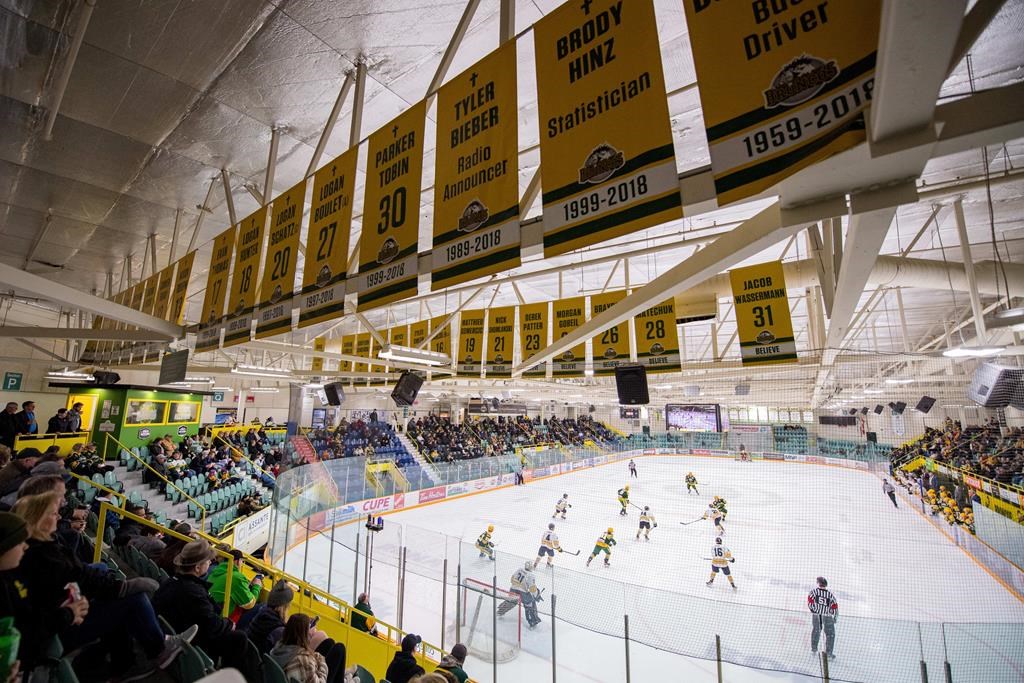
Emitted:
pixel 332 119
pixel 152 254
pixel 61 84
pixel 903 320
pixel 355 130
pixel 972 282
pixel 174 237
pixel 39 238
pixel 203 210
pixel 268 183
pixel 507 21
pixel 229 200
pixel 453 46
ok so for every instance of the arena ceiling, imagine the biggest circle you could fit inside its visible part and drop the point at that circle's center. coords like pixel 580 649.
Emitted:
pixel 168 100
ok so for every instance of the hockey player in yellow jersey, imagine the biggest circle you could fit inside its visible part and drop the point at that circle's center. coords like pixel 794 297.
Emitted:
pixel 604 545
pixel 647 522
pixel 719 504
pixel 624 499
pixel 548 546
pixel 716 516
pixel 721 558
pixel 484 543
pixel 691 483
pixel 561 506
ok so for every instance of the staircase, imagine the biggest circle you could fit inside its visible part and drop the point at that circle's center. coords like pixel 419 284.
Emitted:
pixel 426 465
pixel 303 448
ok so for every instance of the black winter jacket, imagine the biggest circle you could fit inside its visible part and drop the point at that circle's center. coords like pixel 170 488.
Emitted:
pixel 402 668
pixel 36 623
pixel 185 600
pixel 48 566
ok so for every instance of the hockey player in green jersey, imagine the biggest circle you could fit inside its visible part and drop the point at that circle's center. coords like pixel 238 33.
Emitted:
pixel 691 484
pixel 484 543
pixel 624 499
pixel 603 544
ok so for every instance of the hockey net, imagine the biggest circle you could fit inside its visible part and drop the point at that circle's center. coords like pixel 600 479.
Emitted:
pixel 481 634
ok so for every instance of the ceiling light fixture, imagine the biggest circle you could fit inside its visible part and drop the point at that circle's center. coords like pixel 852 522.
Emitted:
pixel 406 354
pixel 973 351
pixel 263 390
pixel 1008 317
pixel 67 374
pixel 899 381
pixel 874 391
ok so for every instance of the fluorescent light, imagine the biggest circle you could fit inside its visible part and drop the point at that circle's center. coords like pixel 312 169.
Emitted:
pixel 312 386
pixel 408 354
pixel 258 368
pixel 68 374
pixel 199 380
pixel 262 390
pixel 221 389
pixel 899 381
pixel 249 371
pixel 874 391
pixel 973 351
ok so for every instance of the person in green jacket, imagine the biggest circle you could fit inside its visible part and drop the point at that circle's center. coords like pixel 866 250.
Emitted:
pixel 243 592
pixel 453 663
pixel 362 615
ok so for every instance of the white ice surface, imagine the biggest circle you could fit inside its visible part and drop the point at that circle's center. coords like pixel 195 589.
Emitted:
pixel 788 523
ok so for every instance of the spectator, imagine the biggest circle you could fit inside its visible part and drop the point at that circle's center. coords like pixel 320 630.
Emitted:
pixel 25 421
pixel 185 600
pixel 454 662
pixel 116 612
pixel 18 470
pixel 439 676
pixel 403 667
pixel 148 542
pixel 362 616
pixel 173 546
pixel 244 592
pixel 71 533
pixel 8 425
pixel 75 418
pixel 823 607
pixel 296 652
pixel 58 424
pixel 5 454
pixel 266 628
pixel 43 483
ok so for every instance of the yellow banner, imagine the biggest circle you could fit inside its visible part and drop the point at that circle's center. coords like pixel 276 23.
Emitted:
pixel 348 348
pixel 330 222
pixel 471 343
pixel 165 281
pixel 245 277
pixel 418 331
pixel 605 137
pixel 533 335
pixel 208 336
pixel 391 217
pixel 476 185
pixel 278 287
pixel 319 344
pixel 501 329
pixel 149 286
pixel 611 347
pixel 568 314
pixel 657 338
pixel 762 314
pixel 782 85
pixel 442 342
pixel 182 276
pixel 363 350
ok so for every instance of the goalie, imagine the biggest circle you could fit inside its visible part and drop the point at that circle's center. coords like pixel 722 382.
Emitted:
pixel 525 586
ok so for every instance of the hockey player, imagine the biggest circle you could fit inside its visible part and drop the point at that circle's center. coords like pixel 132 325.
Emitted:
pixel 624 499
pixel 721 558
pixel 484 543
pixel 716 516
pixel 561 506
pixel 719 504
pixel 647 521
pixel 691 483
pixel 603 544
pixel 632 468
pixel 525 586
pixel 548 545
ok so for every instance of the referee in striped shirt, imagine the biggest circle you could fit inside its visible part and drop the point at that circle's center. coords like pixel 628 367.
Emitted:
pixel 823 607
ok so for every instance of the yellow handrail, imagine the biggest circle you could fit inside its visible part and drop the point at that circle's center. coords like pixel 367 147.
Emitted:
pixel 90 482
pixel 110 437
pixel 335 614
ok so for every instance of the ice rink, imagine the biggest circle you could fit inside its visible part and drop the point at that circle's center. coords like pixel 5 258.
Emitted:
pixel 787 524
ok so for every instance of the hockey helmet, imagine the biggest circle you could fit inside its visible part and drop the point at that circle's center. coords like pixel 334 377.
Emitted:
pixel 611 530
pixel 565 495
pixel 718 541
pixel 528 566
pixel 490 527
pixel 646 508
pixel 551 527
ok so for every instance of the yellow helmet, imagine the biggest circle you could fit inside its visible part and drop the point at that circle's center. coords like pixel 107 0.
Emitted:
pixel 611 530
pixel 627 487
pixel 490 527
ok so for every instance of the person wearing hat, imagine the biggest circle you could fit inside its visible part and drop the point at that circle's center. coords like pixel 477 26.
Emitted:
pixel 34 625
pixel 267 625
pixel 244 592
pixel 403 667
pixel 454 662
pixel 185 599
pixel 173 547
pixel 18 470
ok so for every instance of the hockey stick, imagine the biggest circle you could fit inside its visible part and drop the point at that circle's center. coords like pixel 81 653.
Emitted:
pixel 635 505
pixel 569 552
pixel 693 522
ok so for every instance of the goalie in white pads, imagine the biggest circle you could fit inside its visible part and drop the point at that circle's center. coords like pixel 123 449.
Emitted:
pixel 561 506
pixel 525 586
pixel 647 521
pixel 721 558
pixel 548 546
pixel 716 516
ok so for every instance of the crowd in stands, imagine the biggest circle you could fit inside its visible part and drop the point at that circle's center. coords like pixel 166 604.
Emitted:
pixel 358 438
pixel 981 449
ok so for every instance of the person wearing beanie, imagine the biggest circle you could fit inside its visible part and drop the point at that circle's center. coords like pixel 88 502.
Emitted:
pixel 454 662
pixel 403 667
pixel 266 627
pixel 36 625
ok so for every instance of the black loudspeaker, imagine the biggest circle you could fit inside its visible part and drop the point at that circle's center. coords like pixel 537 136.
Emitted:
pixel 879 408
pixel 853 411
pixel 591 409
pixel 925 404
pixel 996 386
pixel 898 407
pixel 104 377
pixel 631 385
pixel 742 389
pixel 408 385
pixel 335 393
pixel 863 411
pixel 872 437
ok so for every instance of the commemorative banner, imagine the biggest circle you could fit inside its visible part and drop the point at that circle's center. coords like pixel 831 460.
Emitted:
pixel 476 181
pixel 657 338
pixel 388 258
pixel 442 342
pixel 611 347
pixel 568 314
pixel 782 85
pixel 138 299
pixel 330 223
pixel 245 277
pixel 182 276
pixel 762 314
pixel 501 330
pixel 277 292
pixel 533 335
pixel 471 343
pixel 149 287
pixel 164 285
pixel 363 341
pixel 348 348
pixel 605 135
pixel 399 336
pixel 319 344
pixel 208 337
pixel 418 332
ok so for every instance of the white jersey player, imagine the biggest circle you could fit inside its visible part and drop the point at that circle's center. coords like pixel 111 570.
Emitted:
pixel 646 522
pixel 525 586
pixel 721 558
pixel 548 546
pixel 716 516
pixel 561 506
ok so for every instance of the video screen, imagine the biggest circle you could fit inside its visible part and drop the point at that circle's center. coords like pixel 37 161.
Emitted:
pixel 693 418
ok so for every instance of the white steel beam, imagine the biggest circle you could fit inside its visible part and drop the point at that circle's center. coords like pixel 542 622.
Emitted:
pixel 355 130
pixel 83 333
pixel 23 281
pixel 974 24
pixel 507 21
pixel 972 281
pixel 453 46
pixel 39 238
pixel 174 237
pixel 332 119
pixel 229 201
pixel 61 84
pixel 204 208
pixel 268 182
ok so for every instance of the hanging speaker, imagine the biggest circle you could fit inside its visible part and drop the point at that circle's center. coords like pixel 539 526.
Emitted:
pixel 872 437
pixel 742 389
pixel 996 386
pixel 863 411
pixel 853 411
pixel 925 404
pixel 335 393
pixel 631 385
pixel 879 408
pixel 106 377
pixel 406 388
pixel 898 407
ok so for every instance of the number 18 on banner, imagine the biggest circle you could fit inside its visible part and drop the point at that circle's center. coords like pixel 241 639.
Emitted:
pixel 762 314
